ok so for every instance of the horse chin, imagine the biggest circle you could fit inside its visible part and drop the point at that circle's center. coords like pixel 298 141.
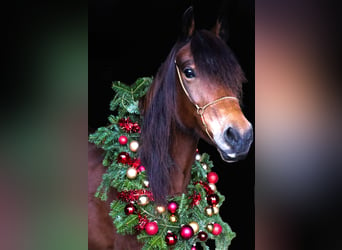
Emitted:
pixel 228 157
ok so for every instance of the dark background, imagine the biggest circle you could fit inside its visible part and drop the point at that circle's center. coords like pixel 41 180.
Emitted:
pixel 44 108
pixel 130 40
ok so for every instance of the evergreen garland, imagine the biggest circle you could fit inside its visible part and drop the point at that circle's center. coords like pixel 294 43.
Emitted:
pixel 134 210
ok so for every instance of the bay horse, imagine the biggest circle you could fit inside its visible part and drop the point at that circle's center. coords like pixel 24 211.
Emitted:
pixel 195 94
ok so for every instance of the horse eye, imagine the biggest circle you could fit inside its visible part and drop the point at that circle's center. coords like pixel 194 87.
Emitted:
pixel 189 73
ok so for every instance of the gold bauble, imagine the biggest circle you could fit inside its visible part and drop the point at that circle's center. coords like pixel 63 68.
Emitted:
pixel 210 227
pixel 133 146
pixel 212 187
pixel 216 210
pixel 131 173
pixel 173 218
pixel 194 226
pixel 143 200
pixel 160 209
pixel 209 211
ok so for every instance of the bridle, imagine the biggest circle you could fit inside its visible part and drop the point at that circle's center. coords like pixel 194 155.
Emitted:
pixel 200 109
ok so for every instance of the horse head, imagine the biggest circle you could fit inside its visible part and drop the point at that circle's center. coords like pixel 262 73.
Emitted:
pixel 197 90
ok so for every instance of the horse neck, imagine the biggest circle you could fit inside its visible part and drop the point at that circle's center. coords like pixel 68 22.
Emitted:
pixel 183 151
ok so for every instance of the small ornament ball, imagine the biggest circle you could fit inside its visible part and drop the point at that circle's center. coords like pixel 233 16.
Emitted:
pixel 173 218
pixel 210 227
pixel 193 247
pixel 202 236
pixel 172 207
pixel 212 187
pixel 216 210
pixel 213 199
pixel 141 169
pixel 209 211
pixel 151 228
pixel 133 146
pixel 130 209
pixel 123 140
pixel 194 226
pixel 212 177
pixel 198 157
pixel 160 209
pixel 146 183
pixel 131 173
pixel 123 158
pixel 170 239
pixel 186 232
pixel 143 200
pixel 217 229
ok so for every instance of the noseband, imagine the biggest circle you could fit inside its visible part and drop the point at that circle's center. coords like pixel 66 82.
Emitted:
pixel 200 109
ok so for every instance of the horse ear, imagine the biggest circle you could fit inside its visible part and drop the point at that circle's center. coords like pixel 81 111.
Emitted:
pixel 220 29
pixel 188 24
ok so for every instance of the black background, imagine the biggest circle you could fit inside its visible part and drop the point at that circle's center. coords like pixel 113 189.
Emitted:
pixel 130 40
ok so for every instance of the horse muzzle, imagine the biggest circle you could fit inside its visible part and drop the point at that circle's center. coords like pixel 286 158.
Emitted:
pixel 237 144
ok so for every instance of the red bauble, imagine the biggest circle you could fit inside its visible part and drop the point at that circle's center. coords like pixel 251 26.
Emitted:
pixel 193 247
pixel 186 232
pixel 130 209
pixel 212 177
pixel 217 229
pixel 202 236
pixel 172 207
pixel 124 158
pixel 170 239
pixel 151 228
pixel 141 168
pixel 213 199
pixel 123 140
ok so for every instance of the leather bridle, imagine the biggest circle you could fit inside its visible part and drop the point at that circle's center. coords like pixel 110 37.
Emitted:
pixel 200 109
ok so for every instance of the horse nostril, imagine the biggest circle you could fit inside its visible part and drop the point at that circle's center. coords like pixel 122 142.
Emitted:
pixel 232 136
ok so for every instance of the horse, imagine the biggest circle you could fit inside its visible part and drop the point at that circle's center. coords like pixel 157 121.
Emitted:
pixel 195 95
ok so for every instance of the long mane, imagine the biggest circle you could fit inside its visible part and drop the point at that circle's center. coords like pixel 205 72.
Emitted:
pixel 214 59
pixel 158 123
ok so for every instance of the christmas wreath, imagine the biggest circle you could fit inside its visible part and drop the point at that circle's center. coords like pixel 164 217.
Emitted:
pixel 188 220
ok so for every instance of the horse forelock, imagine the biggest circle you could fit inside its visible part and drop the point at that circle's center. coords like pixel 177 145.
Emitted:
pixel 215 60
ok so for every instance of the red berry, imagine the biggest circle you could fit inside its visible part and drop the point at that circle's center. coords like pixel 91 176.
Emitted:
pixel 136 163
